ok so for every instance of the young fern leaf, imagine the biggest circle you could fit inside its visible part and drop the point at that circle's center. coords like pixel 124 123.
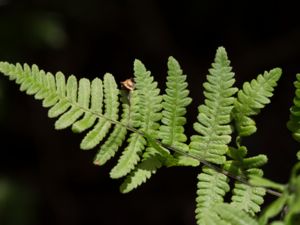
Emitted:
pixel 101 128
pixel 175 101
pixel 214 116
pixel 95 105
pixel 244 196
pixel 171 132
pixel 233 215
pixel 143 171
pixel 294 121
pixel 247 198
pixel 252 98
pixel 148 114
pixel 212 186
pixel 76 103
pixel 111 145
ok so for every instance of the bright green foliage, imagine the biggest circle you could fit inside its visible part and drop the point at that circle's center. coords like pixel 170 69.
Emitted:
pixel 212 186
pixel 247 198
pixel 175 101
pixel 148 114
pixel 157 138
pixel 233 215
pixel 174 106
pixel 115 140
pixel 251 99
pixel 294 121
pixel 287 205
pixel 214 118
pixel 100 130
pixel 171 132
pixel 143 171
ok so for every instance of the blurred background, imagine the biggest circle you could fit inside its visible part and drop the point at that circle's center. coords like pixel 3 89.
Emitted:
pixel 45 179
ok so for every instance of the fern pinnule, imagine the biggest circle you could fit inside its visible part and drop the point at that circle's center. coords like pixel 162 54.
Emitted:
pixel 146 112
pixel 114 141
pixel 171 132
pixel 294 120
pixel 233 215
pixel 252 98
pixel 175 101
pixel 63 103
pixel 80 99
pixel 96 101
pixel 212 187
pixel 101 128
pixel 148 166
pixel 248 198
pixel 214 118
pixel 244 196
pixel 174 105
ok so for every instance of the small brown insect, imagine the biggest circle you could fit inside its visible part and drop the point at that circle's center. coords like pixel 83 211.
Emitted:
pixel 128 84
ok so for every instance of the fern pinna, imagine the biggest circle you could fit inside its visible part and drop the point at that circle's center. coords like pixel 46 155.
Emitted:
pixel 151 127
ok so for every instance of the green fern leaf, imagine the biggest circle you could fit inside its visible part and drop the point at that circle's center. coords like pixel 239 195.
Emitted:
pixel 147 113
pixel 174 106
pixel 263 182
pixel 130 156
pixel 175 101
pixel 273 209
pixel 149 99
pixel 171 132
pixel 144 170
pixel 101 128
pixel 247 198
pixel 293 123
pixel 214 116
pixel 252 98
pixel 63 104
pixel 69 117
pixel 76 103
pixel 233 215
pixel 96 106
pixel 212 186
pixel 116 138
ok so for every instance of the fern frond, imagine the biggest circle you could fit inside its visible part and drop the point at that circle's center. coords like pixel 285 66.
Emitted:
pixel 247 198
pixel 77 104
pixel 174 105
pixel 75 111
pixel 111 145
pixel 214 116
pixel 143 171
pixel 175 101
pixel 233 215
pixel 171 132
pixel 130 156
pixel 147 114
pixel 212 186
pixel 95 105
pixel 252 98
pixel 101 128
pixel 294 120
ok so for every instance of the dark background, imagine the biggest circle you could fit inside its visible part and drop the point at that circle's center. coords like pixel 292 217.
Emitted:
pixel 46 179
